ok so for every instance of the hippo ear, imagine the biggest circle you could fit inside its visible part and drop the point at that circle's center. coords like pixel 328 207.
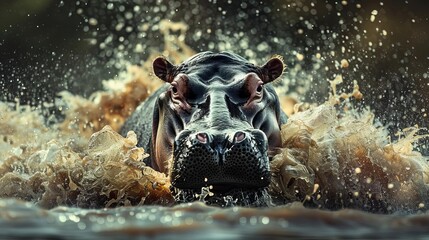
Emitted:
pixel 272 69
pixel 163 69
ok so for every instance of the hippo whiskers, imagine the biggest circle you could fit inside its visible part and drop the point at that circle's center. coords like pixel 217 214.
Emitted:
pixel 218 118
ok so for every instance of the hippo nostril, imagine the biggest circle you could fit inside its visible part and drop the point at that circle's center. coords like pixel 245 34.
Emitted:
pixel 239 137
pixel 202 137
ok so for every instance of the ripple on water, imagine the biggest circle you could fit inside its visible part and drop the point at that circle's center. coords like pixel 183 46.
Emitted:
pixel 196 220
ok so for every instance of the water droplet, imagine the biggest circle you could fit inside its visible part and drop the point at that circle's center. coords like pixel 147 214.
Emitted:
pixel 62 218
pixel 265 220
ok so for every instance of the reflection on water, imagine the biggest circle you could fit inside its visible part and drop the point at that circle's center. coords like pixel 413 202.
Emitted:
pixel 197 221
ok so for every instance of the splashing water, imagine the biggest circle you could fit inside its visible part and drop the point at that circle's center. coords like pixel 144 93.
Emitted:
pixel 338 158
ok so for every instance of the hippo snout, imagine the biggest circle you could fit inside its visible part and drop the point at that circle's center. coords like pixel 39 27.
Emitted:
pixel 222 159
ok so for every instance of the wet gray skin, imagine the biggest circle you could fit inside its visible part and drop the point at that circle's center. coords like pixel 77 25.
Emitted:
pixel 213 125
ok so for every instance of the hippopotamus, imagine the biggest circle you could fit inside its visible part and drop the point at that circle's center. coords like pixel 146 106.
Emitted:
pixel 213 124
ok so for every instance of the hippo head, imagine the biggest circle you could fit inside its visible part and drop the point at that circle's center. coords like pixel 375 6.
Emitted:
pixel 220 118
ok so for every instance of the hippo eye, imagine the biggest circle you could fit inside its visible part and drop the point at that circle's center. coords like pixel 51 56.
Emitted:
pixel 174 89
pixel 259 89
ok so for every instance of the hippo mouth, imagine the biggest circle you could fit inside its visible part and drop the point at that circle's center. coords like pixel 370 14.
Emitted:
pixel 247 197
pixel 223 170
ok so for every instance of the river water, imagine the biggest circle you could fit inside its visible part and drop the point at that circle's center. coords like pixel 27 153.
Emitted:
pixel 198 221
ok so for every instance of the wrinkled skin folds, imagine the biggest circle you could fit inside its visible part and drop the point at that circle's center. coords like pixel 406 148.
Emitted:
pixel 214 123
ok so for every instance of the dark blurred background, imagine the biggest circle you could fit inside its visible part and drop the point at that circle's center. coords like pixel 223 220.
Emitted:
pixel 47 46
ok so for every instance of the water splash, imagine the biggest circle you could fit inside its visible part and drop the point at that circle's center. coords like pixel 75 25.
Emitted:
pixel 336 156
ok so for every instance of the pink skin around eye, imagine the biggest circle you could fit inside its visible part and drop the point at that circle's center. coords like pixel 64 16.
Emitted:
pixel 254 86
pixel 178 96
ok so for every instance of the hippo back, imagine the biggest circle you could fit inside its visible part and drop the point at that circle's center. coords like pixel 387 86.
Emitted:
pixel 141 122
